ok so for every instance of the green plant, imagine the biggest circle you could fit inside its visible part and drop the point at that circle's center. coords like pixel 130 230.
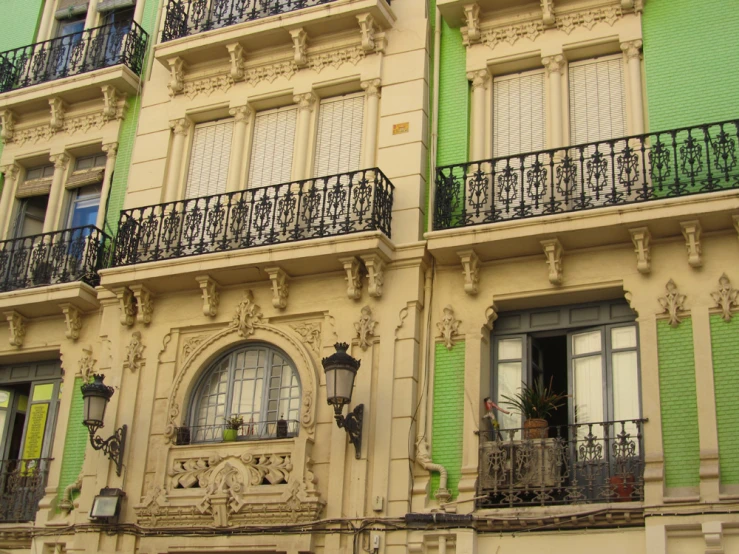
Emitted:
pixel 234 422
pixel 536 401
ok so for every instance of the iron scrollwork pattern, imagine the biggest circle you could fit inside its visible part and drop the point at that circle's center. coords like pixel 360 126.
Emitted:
pixel 73 54
pixel 22 485
pixel 312 208
pixel 640 168
pixel 574 464
pixel 50 258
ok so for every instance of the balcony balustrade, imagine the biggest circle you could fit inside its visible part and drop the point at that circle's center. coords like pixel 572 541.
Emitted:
pixel 573 464
pixel 51 258
pixel 311 208
pixel 74 54
pixel 248 431
pixel 22 484
pixel 676 163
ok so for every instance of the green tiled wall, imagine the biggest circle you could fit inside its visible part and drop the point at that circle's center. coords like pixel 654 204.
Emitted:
pixel 725 347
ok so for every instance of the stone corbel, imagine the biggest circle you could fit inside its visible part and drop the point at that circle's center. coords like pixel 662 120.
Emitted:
pixel 73 321
pixel 491 314
pixel 211 296
pixel 713 536
pixel 57 113
pixel 547 12
pixel 176 82
pixel 7 120
pixel 673 303
pixel 368 30
pixel 471 270
pixel 236 55
pixel 110 102
pixel 641 237
pixel 726 297
pixel 144 303
pixel 17 324
pixel 553 251
pixel 280 287
pixel 300 44
pixel 127 305
pixel 627 5
pixel 353 269
pixel 375 274
pixel 471 31
pixel 692 233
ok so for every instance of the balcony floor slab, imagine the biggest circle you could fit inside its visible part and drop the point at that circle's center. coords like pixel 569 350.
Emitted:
pixel 44 301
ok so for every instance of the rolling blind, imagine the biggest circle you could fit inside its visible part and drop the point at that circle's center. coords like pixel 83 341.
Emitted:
pixel 272 147
pixel 339 136
pixel 597 103
pixel 519 117
pixel 209 158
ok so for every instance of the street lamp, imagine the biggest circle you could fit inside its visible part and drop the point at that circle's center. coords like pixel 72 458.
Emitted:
pixel 96 396
pixel 341 369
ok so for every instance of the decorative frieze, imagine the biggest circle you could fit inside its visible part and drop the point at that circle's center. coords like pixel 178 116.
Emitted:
pixel 375 274
pixel 726 297
pixel 144 303
pixel 470 270
pixel 353 269
pixel 365 327
pixel 72 320
pixel 247 315
pixel 210 294
pixel 134 359
pixel 17 328
pixel 672 303
pixel 280 287
pixel 641 237
pixel 448 327
pixel 692 233
pixel 553 251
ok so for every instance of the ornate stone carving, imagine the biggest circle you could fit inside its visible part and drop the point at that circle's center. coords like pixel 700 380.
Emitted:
pixel 300 43
pixel 180 126
pixel 641 237
pixel 191 344
pixel 554 64
pixel 241 114
pixel 553 251
pixel 280 287
pixel 568 22
pixel 11 172
pixel 110 102
pixel 448 326
pixel 60 161
pixel 692 233
pixel 478 78
pixel 632 48
pixel 367 29
pixel 134 359
pixel 58 109
pixel 353 269
pixel 547 12
pixel 672 303
pixel 247 315
pixel 86 364
pixel 471 32
pixel 207 85
pixel 305 101
pixel 127 305
pixel 726 297
pixel 470 270
pixel 17 327
pixel 491 314
pixel 310 333
pixel 371 87
pixel 144 303
pixel 365 328
pixel 336 58
pixel 73 321
pixel 110 149
pixel 236 58
pixel 7 120
pixel 375 274
pixel 210 294
pixel 176 75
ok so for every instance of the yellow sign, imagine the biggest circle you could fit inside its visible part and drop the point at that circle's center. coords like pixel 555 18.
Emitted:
pixel 35 431
pixel 400 128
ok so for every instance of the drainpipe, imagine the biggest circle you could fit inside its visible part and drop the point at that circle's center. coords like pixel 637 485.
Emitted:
pixel 434 119
pixel 66 503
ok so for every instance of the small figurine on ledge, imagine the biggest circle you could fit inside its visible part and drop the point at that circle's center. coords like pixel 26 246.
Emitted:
pixel 492 420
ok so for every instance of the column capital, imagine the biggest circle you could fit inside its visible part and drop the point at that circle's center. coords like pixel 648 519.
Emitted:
pixel 241 113
pixel 554 64
pixel 60 161
pixel 305 101
pixel 10 171
pixel 631 48
pixel 110 149
pixel 372 87
pixel 478 78
pixel 180 126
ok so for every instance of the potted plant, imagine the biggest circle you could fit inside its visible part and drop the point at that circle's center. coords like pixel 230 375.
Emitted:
pixel 535 403
pixel 233 424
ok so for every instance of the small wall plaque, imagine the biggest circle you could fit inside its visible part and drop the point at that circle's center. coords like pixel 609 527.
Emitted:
pixel 400 128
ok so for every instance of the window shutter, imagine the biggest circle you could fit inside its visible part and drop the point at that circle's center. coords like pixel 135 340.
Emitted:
pixel 597 103
pixel 209 159
pixel 519 117
pixel 272 147
pixel 339 140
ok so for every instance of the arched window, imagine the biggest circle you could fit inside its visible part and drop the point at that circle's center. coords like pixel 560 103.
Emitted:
pixel 258 383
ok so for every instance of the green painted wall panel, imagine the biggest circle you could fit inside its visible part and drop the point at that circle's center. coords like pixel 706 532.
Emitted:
pixel 448 414
pixel 679 404
pixel 453 98
pixel 75 442
pixel 725 347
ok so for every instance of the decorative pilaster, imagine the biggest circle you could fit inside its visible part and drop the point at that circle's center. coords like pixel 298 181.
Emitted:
pixel 236 57
pixel 479 122
pixel 144 303
pixel 641 237
pixel 7 120
pixel 111 152
pixel 632 53
pixel 58 109
pixel 553 251
pixel 372 94
pixel 176 82
pixel 470 270
pixel 127 305
pixel 211 296
pixel 300 46
pixel 726 297
pixel 280 288
pixel 471 31
pixel 365 327
pixel 554 66
pixel 448 327
pixel 73 321
pixel 353 269
pixel 375 274
pixel 306 103
pixel 672 303
pixel 692 233
pixel 180 129
pixel 242 116
pixel 61 162
pixel 17 328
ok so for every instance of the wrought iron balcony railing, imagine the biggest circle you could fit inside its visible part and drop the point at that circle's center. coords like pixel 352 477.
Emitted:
pixel 189 18
pixel 313 208
pixel 249 431
pixel 22 484
pixel 573 464
pixel 88 50
pixel 621 171
pixel 50 258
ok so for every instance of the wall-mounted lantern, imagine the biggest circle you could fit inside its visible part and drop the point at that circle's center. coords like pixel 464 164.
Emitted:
pixel 341 369
pixel 96 396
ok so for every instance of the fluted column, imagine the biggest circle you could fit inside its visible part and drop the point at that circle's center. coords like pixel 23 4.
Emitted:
pixel 111 150
pixel 180 128
pixel 372 93
pixel 631 50
pixel 11 173
pixel 61 162
pixel 554 66
pixel 478 120
pixel 242 117
pixel 305 103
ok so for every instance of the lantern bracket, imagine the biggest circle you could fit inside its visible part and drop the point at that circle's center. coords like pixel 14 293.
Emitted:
pixel 112 447
pixel 352 424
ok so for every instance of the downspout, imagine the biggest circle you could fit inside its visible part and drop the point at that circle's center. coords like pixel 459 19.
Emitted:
pixel 434 120
pixel 66 503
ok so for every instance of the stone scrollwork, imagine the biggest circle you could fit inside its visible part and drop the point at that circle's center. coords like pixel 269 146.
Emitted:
pixel 642 246
pixel 247 315
pixel 86 365
pixel 280 287
pixel 144 303
pixel 672 303
pixel 365 328
pixel 127 306
pixel 353 269
pixel 211 296
pixel 367 29
pixel 553 251
pixel 236 57
pixel 310 333
pixel 448 326
pixel 134 359
pixel 375 275
pixel 692 233
pixel 17 327
pixel 177 75
pixel 726 297
pixel 300 43
pixel 72 320
pixel 7 120
pixel 471 32
pixel 470 270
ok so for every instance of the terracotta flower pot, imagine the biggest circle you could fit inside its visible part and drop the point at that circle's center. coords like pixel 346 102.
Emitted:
pixel 622 486
pixel 230 435
pixel 535 429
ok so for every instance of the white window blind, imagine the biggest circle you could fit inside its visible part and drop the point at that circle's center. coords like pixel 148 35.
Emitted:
pixel 272 147
pixel 597 103
pixel 339 136
pixel 209 158
pixel 519 117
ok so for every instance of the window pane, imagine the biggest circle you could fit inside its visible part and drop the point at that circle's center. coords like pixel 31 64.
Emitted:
pixel 625 385
pixel 585 343
pixel 623 337
pixel 510 376
pixel 518 113
pixel 588 377
pixel 272 147
pixel 510 349
pixel 339 135
pixel 209 159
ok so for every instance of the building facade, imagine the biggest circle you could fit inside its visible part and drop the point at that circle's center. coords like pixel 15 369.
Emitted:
pixel 202 198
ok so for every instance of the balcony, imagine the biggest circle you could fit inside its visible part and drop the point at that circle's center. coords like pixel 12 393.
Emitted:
pixel 22 484
pixel 573 464
pixel 617 172
pixel 249 431
pixel 313 208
